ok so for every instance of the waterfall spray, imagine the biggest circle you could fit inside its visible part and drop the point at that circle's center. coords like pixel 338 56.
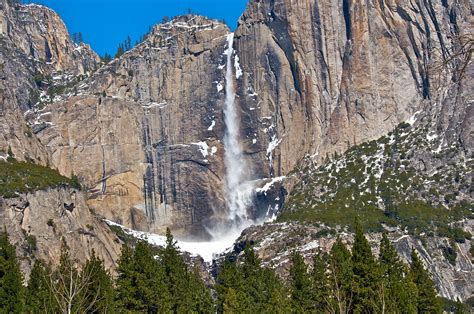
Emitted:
pixel 238 187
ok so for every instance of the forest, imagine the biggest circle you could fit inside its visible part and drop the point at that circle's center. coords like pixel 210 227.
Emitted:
pixel 159 280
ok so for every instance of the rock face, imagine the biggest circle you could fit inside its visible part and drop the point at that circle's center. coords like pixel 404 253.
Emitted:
pixel 145 132
pixel 319 77
pixel 38 223
pixel 34 47
pixel 42 36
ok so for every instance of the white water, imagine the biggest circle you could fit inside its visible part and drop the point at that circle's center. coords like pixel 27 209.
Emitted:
pixel 239 188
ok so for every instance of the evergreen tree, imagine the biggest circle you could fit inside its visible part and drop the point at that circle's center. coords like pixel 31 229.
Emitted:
pixel 250 288
pixel 98 295
pixel 141 284
pixel 396 290
pixel 11 289
pixel 301 285
pixel 366 274
pixel 427 301
pixel 320 282
pixel 120 51
pixel 106 58
pixel 128 43
pixel 228 283
pixel 38 293
pixel 186 289
pixel 74 38
pixel 229 303
pixel 340 278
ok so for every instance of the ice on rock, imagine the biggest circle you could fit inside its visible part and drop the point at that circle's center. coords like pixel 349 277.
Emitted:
pixel 238 69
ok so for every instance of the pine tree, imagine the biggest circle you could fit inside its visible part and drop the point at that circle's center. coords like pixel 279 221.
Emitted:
pixel 128 43
pixel 11 289
pixel 320 282
pixel 38 292
pixel 228 283
pixel 396 290
pixel 366 273
pixel 98 295
pixel 106 58
pixel 186 288
pixel 340 278
pixel 301 285
pixel 250 288
pixel 229 303
pixel 202 299
pixel 120 51
pixel 141 282
pixel 427 301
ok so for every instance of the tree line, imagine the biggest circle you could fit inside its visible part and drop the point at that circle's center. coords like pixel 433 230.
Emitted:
pixel 149 280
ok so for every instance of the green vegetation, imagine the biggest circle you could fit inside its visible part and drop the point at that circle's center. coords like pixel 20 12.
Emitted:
pixel 11 288
pixel 381 183
pixel 151 280
pixel 21 177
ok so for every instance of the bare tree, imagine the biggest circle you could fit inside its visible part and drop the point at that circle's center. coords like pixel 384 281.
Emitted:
pixel 68 286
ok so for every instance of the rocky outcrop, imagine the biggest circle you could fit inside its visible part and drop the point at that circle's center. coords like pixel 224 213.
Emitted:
pixel 39 222
pixel 34 46
pixel 41 35
pixel 144 133
pixel 319 77
pixel 35 53
pixel 274 244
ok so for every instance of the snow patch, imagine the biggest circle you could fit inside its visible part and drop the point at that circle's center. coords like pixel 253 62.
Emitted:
pixel 413 118
pixel 272 145
pixel 203 148
pixel 213 124
pixel 268 185
pixel 431 137
pixel 207 250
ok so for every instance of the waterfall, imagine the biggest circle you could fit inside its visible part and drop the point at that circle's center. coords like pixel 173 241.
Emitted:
pixel 238 187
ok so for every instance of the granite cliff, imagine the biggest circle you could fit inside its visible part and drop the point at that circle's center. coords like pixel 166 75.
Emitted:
pixel 147 133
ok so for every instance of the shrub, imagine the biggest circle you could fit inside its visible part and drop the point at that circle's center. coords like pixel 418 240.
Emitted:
pixel 22 177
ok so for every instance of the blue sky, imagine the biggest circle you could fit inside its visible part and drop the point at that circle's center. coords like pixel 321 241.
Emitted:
pixel 106 23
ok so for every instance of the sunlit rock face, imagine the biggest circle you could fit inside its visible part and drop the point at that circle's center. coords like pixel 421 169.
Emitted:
pixel 39 223
pixel 321 76
pixel 146 132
